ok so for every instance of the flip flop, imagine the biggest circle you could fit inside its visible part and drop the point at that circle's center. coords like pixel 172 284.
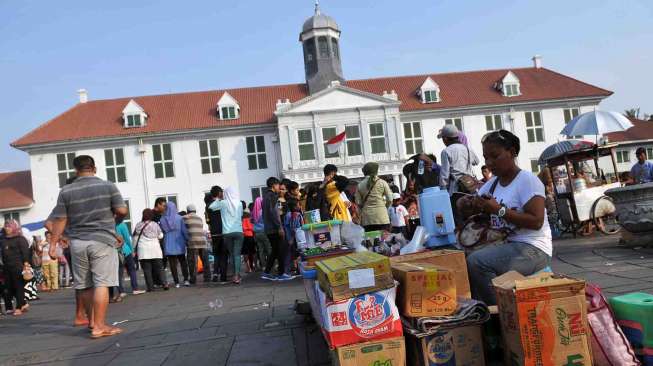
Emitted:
pixel 111 331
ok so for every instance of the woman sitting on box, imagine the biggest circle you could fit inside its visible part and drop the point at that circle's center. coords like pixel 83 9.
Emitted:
pixel 514 199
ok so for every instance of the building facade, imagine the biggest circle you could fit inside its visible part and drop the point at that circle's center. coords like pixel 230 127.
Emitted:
pixel 179 145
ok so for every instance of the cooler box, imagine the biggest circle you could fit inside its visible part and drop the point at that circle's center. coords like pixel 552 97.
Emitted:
pixel 325 234
pixel 367 317
pixel 436 217
pixel 634 313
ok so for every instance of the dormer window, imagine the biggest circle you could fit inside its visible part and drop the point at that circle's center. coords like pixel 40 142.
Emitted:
pixel 510 85
pixel 429 91
pixel 134 120
pixel 134 115
pixel 228 107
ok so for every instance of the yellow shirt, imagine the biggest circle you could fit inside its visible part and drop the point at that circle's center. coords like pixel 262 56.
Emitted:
pixel 337 206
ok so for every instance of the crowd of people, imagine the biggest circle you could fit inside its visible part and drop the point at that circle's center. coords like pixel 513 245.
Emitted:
pixel 87 235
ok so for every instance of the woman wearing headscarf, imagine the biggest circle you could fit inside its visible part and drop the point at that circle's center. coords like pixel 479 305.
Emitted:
pixel 263 246
pixel 174 242
pixel 15 256
pixel 147 234
pixel 231 210
pixel 373 198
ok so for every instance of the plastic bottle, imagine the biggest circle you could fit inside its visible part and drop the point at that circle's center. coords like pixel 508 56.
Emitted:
pixel 420 167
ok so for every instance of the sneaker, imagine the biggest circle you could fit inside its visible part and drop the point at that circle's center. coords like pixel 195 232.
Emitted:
pixel 269 277
pixel 177 285
pixel 186 283
pixel 123 295
pixel 285 277
pixel 138 292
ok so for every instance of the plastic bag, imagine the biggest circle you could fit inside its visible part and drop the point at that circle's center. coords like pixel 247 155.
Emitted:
pixel 352 235
pixel 417 244
pixel 300 238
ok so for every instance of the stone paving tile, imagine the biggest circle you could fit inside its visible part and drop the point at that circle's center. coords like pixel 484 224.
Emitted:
pixel 95 360
pixel 144 357
pixel 607 281
pixel 214 352
pixel 639 273
pixel 263 350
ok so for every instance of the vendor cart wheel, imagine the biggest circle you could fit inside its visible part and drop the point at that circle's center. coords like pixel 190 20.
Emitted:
pixel 604 216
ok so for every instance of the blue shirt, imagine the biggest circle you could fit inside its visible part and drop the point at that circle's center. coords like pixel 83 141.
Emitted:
pixel 642 173
pixel 232 221
pixel 123 231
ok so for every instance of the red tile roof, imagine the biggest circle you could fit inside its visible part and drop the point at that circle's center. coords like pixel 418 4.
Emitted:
pixel 197 110
pixel 15 189
pixel 641 130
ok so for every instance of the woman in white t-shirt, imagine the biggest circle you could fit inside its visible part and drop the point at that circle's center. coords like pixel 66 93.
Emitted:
pixel 513 198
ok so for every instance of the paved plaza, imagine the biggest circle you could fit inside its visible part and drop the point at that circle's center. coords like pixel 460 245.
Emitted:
pixel 252 324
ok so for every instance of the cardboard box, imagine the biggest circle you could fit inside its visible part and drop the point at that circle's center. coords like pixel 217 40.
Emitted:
pixel 389 352
pixel 425 289
pixel 359 319
pixel 354 274
pixel 450 259
pixel 455 347
pixel 543 319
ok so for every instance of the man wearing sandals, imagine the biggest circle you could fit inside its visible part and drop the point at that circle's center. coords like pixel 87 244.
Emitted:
pixel 86 209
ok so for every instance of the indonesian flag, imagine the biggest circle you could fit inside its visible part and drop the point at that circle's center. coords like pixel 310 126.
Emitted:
pixel 334 143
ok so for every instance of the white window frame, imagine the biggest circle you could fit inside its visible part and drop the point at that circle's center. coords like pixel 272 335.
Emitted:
pixel 306 143
pixel 260 189
pixel 170 197
pixel 377 137
pixel 257 155
pixel 232 112
pixel 325 139
pixel 210 157
pixel 12 215
pixel 163 162
pixel 531 131
pixel 68 170
pixel 569 112
pixel 456 121
pixel 493 118
pixel 535 166
pixel 649 153
pixel 351 141
pixel 134 120
pixel 115 167
pixel 623 156
pixel 431 96
pixel 128 218
pixel 412 140
pixel 511 89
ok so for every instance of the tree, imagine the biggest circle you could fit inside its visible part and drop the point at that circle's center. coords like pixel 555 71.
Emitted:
pixel 632 113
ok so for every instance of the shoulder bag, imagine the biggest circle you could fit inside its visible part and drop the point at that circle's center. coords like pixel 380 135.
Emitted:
pixel 467 183
pixel 367 195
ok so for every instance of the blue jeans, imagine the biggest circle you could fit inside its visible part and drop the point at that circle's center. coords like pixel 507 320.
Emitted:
pixel 494 260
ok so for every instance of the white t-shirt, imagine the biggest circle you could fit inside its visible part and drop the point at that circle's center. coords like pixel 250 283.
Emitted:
pixel 524 187
pixel 397 215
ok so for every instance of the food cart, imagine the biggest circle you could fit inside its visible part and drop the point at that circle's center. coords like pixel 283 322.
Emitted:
pixel 580 182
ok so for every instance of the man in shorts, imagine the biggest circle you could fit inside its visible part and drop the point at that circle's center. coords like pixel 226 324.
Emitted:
pixel 87 209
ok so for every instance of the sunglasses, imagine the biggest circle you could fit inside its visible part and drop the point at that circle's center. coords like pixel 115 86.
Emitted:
pixel 493 134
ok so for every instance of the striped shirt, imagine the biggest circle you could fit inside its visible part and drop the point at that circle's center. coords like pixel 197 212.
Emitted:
pixel 196 236
pixel 88 204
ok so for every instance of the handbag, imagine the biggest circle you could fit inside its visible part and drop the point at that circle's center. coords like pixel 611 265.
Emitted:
pixel 367 195
pixel 609 344
pixel 478 231
pixel 467 183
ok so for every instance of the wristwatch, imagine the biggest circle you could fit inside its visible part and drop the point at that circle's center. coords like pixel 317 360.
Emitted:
pixel 502 211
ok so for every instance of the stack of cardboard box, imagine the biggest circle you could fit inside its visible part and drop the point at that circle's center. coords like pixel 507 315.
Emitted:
pixel 358 316
pixel 431 283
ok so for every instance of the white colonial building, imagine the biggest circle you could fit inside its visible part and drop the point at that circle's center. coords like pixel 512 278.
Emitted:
pixel 179 145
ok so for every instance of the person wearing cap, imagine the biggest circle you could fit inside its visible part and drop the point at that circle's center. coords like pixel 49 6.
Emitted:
pixel 197 245
pixel 398 215
pixel 456 159
pixel 642 171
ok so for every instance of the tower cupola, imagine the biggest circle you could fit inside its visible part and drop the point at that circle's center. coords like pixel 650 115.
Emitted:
pixel 320 38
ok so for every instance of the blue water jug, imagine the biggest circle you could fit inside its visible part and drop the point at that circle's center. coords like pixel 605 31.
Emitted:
pixel 436 217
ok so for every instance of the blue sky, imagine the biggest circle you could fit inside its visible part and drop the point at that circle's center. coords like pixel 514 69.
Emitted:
pixel 49 49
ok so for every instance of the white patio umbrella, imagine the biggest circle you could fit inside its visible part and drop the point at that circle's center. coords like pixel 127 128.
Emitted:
pixel 596 123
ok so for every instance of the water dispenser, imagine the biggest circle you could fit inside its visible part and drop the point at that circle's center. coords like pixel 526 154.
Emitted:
pixel 436 217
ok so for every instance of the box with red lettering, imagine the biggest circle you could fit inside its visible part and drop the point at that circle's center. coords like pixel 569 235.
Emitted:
pixel 359 319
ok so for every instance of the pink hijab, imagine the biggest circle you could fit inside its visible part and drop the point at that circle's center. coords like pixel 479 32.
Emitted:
pixel 258 209
pixel 12 229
